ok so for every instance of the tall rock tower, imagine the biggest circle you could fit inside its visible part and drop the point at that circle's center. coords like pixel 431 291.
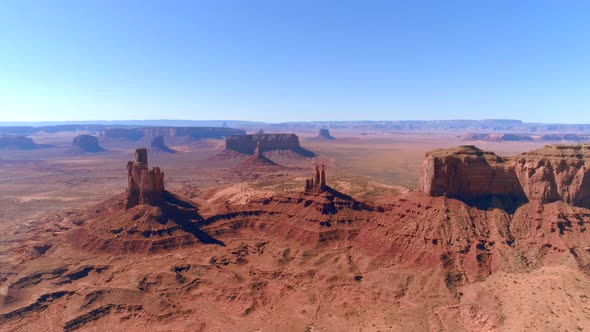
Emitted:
pixel 317 184
pixel 144 185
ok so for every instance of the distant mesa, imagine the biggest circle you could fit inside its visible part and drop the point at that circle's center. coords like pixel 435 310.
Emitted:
pixel 284 144
pixel 553 173
pixel 260 131
pixel 13 142
pixel 503 137
pixel 497 137
pixel 325 134
pixel 157 145
pixel 86 144
pixel 135 134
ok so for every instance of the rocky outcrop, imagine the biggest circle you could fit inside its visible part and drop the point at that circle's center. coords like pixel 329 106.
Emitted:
pixel 317 183
pixel 86 144
pixel 144 185
pixel 325 134
pixel 135 134
pixel 257 162
pixel 12 142
pixel 246 144
pixel 157 145
pixel 555 172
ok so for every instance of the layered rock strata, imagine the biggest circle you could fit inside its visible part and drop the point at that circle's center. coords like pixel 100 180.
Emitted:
pixel 555 172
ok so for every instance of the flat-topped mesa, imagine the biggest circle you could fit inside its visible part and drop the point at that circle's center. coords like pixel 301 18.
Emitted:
pixel 246 144
pixel 317 184
pixel 555 172
pixel 144 185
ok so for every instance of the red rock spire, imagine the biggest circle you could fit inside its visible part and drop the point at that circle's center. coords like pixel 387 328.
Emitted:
pixel 144 185
pixel 317 184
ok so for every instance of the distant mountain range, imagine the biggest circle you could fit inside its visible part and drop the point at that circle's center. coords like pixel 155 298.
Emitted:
pixel 487 126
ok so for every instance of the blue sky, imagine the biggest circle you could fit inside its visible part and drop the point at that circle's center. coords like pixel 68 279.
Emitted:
pixel 294 60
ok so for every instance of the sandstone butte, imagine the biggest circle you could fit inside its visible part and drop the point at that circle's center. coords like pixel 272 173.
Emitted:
pixel 86 144
pixel 325 134
pixel 476 214
pixel 157 145
pixel 246 144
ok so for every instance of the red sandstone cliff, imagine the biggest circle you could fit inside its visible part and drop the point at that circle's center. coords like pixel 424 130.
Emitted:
pixel 555 172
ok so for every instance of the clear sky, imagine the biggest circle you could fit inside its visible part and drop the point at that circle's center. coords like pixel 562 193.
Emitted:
pixel 295 60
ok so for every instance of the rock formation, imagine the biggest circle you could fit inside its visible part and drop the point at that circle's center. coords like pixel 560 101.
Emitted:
pixel 325 134
pixel 246 144
pixel 12 142
pixel 257 162
pixel 144 185
pixel 86 144
pixel 555 172
pixel 157 145
pixel 317 183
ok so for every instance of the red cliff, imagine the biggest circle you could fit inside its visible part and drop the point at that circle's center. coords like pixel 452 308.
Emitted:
pixel 555 172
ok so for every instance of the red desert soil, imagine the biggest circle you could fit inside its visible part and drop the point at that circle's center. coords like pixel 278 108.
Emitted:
pixel 293 258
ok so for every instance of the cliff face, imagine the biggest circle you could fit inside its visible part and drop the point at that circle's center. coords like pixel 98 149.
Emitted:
pixel 135 134
pixel 246 144
pixel 556 172
pixel 144 185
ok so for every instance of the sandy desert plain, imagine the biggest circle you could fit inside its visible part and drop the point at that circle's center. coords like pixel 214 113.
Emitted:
pixel 260 255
